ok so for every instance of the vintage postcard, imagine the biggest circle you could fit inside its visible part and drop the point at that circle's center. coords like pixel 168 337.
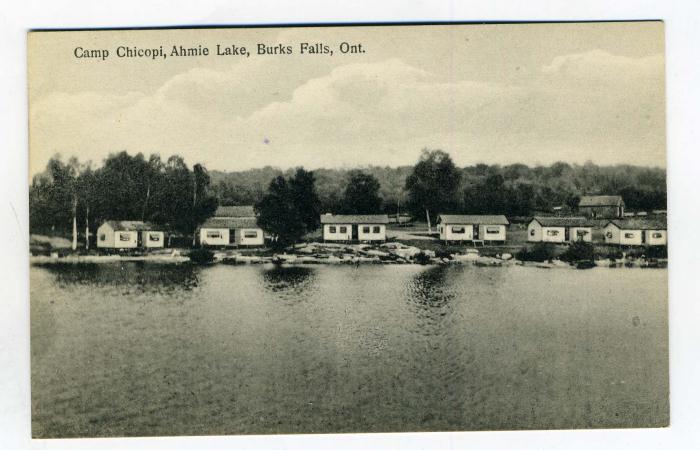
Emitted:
pixel 341 229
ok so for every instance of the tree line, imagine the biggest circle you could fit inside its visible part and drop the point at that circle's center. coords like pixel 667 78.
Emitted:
pixel 168 193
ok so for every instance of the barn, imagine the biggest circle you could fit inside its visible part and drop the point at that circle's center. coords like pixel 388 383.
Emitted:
pixel 559 229
pixel 354 227
pixel 231 226
pixel 129 234
pixel 486 228
pixel 602 206
pixel 636 232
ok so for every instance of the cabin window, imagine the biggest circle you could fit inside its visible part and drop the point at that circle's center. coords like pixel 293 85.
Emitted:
pixel 608 235
pixel 492 230
pixel 532 232
pixel 552 232
pixel 629 235
pixel 376 230
pixel 154 237
pixel 103 237
pixel 459 230
pixel 214 234
pixel 250 234
pixel 581 233
pixel 656 235
pixel 365 229
pixel 343 230
pixel 331 230
pixel 124 237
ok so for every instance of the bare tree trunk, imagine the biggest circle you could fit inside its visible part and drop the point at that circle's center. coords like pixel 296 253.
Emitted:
pixel 427 215
pixel 87 228
pixel 74 244
pixel 145 204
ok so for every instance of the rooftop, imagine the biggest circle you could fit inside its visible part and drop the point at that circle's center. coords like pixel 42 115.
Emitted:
pixel 354 218
pixel 473 219
pixel 235 211
pixel 132 225
pixel 230 222
pixel 600 200
pixel 641 224
pixel 546 221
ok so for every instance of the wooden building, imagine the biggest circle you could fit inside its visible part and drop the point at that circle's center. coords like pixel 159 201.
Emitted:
pixel 232 226
pixel 602 206
pixel 129 234
pixel 354 227
pixel 559 229
pixel 474 228
pixel 636 232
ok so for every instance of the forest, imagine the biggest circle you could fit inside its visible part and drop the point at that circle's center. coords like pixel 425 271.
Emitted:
pixel 170 193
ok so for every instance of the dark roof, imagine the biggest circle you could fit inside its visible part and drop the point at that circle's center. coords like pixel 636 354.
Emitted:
pixel 640 224
pixel 473 219
pixel 354 218
pixel 131 225
pixel 546 221
pixel 230 222
pixel 235 211
pixel 600 200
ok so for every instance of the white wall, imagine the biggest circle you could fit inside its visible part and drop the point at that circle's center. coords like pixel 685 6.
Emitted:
pixel 106 232
pixel 499 236
pixel 631 237
pixel 337 236
pixel 553 234
pixel 223 238
pixel 587 237
pixel 656 237
pixel 148 241
pixel 534 231
pixel 451 235
pixel 371 236
pixel 241 238
pixel 131 239
pixel 612 234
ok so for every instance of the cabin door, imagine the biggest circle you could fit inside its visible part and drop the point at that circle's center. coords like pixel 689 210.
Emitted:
pixel 644 236
pixel 355 232
pixel 567 234
pixel 139 238
pixel 231 237
pixel 475 232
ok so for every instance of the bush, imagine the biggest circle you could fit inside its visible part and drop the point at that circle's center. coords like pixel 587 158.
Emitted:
pixel 660 251
pixel 541 251
pixel 201 255
pixel 421 258
pixel 579 251
pixel 443 253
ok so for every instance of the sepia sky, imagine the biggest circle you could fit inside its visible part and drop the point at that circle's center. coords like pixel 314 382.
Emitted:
pixel 533 94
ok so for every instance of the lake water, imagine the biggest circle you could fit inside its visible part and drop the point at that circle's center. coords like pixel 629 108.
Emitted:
pixel 147 349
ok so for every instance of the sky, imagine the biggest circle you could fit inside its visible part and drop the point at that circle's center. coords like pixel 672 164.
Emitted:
pixel 495 94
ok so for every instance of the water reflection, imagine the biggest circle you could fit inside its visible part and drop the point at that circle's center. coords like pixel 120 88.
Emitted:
pixel 431 299
pixel 130 277
pixel 288 280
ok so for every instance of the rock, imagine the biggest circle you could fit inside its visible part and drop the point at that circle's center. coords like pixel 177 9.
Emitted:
pixel 506 256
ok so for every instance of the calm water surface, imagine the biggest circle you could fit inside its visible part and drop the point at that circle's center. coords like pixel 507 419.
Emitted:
pixel 148 349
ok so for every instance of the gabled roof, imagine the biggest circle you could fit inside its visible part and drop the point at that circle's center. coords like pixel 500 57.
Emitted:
pixel 131 225
pixel 235 211
pixel 640 224
pixel 230 222
pixel 354 218
pixel 547 221
pixel 473 219
pixel 600 200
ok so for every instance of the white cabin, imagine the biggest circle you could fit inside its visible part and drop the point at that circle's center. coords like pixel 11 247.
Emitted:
pixel 231 226
pixel 487 228
pixel 636 232
pixel 559 229
pixel 129 234
pixel 354 227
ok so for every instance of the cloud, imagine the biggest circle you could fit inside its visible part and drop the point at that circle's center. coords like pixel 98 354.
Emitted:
pixel 592 105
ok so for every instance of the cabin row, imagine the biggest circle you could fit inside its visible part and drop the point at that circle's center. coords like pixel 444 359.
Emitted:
pixel 615 232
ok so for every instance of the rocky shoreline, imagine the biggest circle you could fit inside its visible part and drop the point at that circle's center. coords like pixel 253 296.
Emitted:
pixel 354 254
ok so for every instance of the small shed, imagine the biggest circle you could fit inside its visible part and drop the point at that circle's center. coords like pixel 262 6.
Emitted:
pixel 129 234
pixel 559 229
pixel 457 227
pixel 354 227
pixel 636 232
pixel 602 206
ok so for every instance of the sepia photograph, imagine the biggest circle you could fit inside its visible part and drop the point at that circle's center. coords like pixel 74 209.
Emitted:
pixel 348 229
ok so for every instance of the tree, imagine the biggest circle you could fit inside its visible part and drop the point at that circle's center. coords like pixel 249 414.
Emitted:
pixel 278 215
pixel 303 191
pixel 361 194
pixel 433 185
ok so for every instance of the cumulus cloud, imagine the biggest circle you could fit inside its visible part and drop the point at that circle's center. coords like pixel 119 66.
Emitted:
pixel 592 105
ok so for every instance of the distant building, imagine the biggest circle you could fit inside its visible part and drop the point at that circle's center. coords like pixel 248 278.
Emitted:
pixel 636 232
pixel 602 206
pixel 129 234
pixel 455 227
pixel 231 226
pixel 354 227
pixel 559 229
